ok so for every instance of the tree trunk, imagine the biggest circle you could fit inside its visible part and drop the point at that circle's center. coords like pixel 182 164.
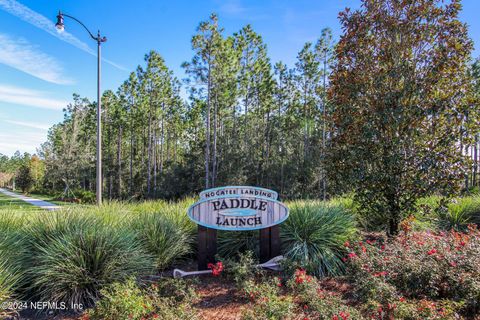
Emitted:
pixel 149 161
pixel 207 130
pixel 324 130
pixel 475 161
pixel 131 159
pixel 214 156
pixel 155 163
pixel 305 119
pixel 119 162
pixel 162 138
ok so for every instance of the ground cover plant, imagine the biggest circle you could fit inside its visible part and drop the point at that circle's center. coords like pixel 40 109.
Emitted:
pixel 169 300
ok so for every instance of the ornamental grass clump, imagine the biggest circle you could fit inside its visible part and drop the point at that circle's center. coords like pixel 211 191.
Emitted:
pixel 174 211
pixel 446 214
pixel 232 244
pixel 314 234
pixel 69 256
pixel 167 239
pixel 8 280
pixel 460 213
pixel 11 223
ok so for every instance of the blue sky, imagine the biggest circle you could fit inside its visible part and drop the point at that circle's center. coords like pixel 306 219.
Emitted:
pixel 40 69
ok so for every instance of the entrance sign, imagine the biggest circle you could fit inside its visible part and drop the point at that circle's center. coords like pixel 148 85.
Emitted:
pixel 238 213
pixel 237 208
pixel 240 191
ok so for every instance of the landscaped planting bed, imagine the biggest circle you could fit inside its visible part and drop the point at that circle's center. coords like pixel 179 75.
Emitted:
pixel 116 261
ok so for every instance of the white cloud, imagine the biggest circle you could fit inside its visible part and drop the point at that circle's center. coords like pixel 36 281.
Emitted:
pixel 31 98
pixel 233 7
pixel 33 125
pixel 28 15
pixel 22 141
pixel 21 55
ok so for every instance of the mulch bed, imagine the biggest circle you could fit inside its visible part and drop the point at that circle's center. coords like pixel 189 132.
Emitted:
pixel 218 299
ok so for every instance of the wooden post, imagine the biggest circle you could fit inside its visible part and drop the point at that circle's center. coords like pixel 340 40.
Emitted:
pixel 275 242
pixel 207 246
pixel 269 243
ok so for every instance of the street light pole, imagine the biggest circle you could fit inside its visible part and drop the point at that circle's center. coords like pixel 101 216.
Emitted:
pixel 99 39
pixel 99 122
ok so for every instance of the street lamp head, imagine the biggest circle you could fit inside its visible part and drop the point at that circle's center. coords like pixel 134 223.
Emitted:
pixel 59 25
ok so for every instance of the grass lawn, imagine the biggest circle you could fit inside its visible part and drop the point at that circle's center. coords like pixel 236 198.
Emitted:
pixel 7 202
pixel 46 197
pixel 50 198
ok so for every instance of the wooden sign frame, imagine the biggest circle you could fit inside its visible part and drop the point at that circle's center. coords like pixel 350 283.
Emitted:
pixel 266 209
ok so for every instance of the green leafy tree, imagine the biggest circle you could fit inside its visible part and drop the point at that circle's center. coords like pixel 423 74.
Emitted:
pixel 402 106
pixel 24 178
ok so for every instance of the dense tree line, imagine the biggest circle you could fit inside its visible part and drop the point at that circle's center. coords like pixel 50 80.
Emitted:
pixel 22 171
pixel 246 121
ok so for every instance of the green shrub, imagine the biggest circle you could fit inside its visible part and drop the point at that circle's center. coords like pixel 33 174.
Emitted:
pixel 425 310
pixel 314 235
pixel 71 256
pixel 163 238
pixel 374 290
pixel 121 301
pixel 180 290
pixel 267 303
pixel 243 269
pixel 448 214
pixel 85 196
pixel 129 301
pixel 475 190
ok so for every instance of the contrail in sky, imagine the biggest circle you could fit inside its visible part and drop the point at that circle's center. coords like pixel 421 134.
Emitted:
pixel 34 18
pixel 21 55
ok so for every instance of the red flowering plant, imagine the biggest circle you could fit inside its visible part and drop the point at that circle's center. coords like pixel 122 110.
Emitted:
pixel 216 268
pixel 417 309
pixel 266 300
pixel 432 265
pixel 317 303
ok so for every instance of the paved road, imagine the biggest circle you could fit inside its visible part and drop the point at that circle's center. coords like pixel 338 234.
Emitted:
pixel 36 202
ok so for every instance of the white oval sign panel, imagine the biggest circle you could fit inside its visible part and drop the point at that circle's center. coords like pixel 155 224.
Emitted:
pixel 238 190
pixel 230 208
